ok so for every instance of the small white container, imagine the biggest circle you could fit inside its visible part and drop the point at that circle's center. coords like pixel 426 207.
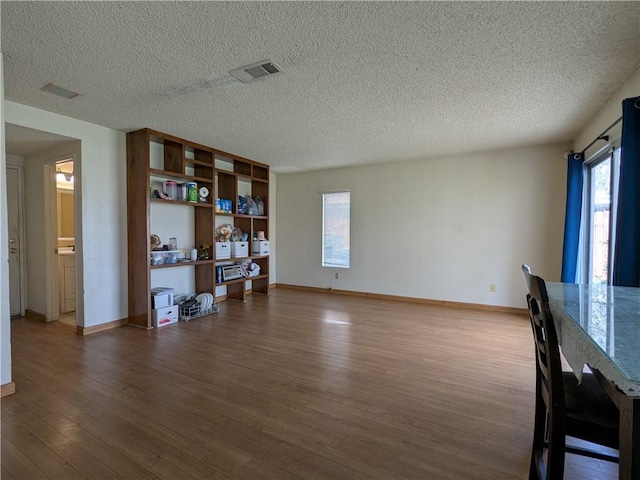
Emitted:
pixel 223 250
pixel 260 247
pixel 239 249
pixel 165 316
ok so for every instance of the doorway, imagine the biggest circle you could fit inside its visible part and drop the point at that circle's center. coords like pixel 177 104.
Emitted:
pixel 34 155
pixel 65 241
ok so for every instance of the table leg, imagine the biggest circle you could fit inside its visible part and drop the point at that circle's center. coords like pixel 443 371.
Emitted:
pixel 629 438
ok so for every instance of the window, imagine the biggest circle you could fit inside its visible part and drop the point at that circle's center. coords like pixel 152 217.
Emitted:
pixel 336 226
pixel 603 173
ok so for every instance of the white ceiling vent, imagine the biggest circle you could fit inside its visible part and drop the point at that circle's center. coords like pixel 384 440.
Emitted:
pixel 255 71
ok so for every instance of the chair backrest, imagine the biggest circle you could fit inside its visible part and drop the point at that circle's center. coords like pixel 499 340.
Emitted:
pixel 548 363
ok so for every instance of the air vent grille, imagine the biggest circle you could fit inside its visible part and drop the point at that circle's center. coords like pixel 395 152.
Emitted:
pixel 256 71
pixel 61 92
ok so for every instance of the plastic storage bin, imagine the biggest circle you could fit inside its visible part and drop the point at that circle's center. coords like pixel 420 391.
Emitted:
pixel 223 250
pixel 163 257
pixel 239 249
pixel 161 297
pixel 260 247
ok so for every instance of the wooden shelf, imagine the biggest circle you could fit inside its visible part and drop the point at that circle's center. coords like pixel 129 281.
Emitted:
pixel 199 162
pixel 183 264
pixel 231 260
pixel 181 202
pixel 243 279
pixel 153 156
pixel 242 215
pixel 154 172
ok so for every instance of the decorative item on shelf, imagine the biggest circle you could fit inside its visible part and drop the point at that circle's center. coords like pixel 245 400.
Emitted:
pixel 259 205
pixel 252 208
pixel 242 205
pixel 155 242
pixel 192 192
pixel 194 254
pixel 236 234
pixel 250 269
pixel 224 205
pixel 182 192
pixel 203 193
pixel 170 190
pixel 173 243
pixel 224 232
pixel 203 252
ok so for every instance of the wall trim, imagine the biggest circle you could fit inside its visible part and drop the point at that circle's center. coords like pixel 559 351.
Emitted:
pixel 35 315
pixel 102 327
pixel 7 389
pixel 399 298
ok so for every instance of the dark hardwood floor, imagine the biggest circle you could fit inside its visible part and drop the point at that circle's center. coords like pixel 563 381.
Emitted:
pixel 296 385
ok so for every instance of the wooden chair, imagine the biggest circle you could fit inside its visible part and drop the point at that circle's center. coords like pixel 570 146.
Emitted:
pixel 563 407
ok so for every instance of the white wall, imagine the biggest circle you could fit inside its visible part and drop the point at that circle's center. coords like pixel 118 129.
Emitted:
pixel 5 314
pixel 101 240
pixel 607 115
pixel 439 229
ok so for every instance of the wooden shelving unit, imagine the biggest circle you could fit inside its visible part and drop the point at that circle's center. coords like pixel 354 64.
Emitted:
pixel 226 176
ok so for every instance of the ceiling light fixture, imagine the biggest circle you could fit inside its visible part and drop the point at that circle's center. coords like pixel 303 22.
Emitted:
pixel 61 92
pixel 64 176
pixel 256 71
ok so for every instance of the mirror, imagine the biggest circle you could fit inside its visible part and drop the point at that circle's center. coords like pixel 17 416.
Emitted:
pixel 65 214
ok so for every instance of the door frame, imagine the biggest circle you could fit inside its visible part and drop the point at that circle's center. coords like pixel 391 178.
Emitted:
pixel 22 265
pixel 51 235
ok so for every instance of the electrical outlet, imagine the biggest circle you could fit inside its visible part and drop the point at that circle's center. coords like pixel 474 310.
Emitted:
pixel 337 275
pixel 492 288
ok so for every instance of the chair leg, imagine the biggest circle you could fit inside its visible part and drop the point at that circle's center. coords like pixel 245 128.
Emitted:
pixel 539 431
pixel 556 448
pixel 533 467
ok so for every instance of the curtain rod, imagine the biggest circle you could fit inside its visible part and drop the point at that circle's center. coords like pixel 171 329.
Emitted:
pixel 603 135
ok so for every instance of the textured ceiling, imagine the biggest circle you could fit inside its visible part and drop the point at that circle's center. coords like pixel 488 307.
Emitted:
pixel 363 81
pixel 27 141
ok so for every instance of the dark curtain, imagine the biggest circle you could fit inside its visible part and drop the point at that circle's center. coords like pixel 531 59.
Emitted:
pixel 572 217
pixel 626 265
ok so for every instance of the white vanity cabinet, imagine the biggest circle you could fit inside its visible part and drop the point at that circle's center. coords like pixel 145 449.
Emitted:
pixel 67 281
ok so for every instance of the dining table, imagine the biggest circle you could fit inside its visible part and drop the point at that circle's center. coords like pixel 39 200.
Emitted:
pixel 598 326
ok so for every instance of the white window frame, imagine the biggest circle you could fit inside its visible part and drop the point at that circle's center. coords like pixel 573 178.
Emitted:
pixel 326 262
pixel 611 150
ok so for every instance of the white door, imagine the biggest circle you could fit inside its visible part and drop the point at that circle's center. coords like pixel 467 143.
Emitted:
pixel 15 239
